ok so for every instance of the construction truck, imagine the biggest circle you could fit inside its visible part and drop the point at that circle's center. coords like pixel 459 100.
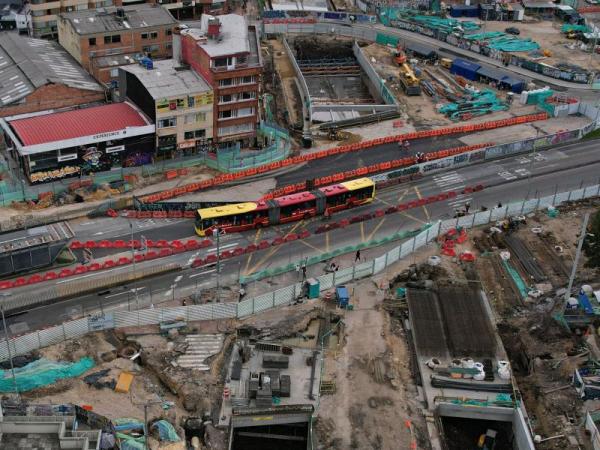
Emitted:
pixel 408 80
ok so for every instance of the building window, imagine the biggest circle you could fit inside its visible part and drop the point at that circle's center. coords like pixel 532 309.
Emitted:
pixel 223 62
pixel 188 135
pixel 226 114
pixel 241 60
pixel 92 41
pixel 180 103
pixel 112 39
pixel 144 35
pixel 198 134
pixel 150 48
pixel 190 102
pixel 248 79
pixel 169 32
pixel 168 46
pixel 114 73
pixel 167 122
pixel 226 98
pixel 226 82
pixel 249 95
pixel 153 35
pixel 190 118
pixel 236 129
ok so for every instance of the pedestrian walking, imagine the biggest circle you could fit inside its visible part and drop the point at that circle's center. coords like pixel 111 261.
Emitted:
pixel 357 258
pixel 499 205
pixel 467 207
pixel 303 272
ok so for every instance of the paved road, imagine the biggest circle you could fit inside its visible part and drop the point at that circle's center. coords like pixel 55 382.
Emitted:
pixel 544 173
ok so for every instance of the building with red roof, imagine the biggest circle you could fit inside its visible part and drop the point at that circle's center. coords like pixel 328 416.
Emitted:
pixel 52 145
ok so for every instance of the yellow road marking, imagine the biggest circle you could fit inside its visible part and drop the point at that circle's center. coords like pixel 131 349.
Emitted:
pixel 308 244
pixel 410 216
pixel 402 195
pixel 383 201
pixel 424 207
pixel 362 232
pixel 272 251
pixel 327 242
pixel 256 236
pixel 375 229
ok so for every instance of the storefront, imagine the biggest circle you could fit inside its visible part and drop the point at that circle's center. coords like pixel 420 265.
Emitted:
pixel 54 145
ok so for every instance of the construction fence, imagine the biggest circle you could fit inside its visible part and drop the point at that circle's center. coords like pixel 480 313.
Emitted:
pixel 229 160
pixel 388 37
pixel 285 296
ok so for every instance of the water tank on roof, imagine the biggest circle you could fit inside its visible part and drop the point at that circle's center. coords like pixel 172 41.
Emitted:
pixel 147 63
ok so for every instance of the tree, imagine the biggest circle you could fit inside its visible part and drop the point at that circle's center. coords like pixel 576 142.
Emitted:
pixel 591 244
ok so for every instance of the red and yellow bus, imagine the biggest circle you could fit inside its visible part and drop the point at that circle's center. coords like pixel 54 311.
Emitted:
pixel 303 205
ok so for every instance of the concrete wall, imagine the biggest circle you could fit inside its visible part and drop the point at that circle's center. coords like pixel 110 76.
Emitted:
pixel 383 93
pixel 523 438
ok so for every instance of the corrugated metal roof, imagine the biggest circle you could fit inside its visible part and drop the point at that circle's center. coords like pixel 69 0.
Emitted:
pixel 101 20
pixel 491 73
pixel 27 64
pixel 163 81
pixel 77 123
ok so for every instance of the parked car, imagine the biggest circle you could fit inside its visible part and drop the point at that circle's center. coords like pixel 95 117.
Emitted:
pixel 512 30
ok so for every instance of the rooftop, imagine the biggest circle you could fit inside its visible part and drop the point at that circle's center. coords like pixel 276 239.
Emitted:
pixel 27 64
pixel 101 20
pixel 77 123
pixel 165 81
pixel 233 38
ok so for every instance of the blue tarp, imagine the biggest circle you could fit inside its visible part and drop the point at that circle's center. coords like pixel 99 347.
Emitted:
pixel 466 69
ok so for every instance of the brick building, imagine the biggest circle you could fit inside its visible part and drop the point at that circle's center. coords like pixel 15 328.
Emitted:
pixel 104 39
pixel 224 50
pixel 37 75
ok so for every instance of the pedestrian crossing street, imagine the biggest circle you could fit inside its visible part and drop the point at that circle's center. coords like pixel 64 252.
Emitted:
pixel 453 181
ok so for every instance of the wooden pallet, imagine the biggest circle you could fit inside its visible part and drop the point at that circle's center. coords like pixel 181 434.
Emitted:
pixel 328 387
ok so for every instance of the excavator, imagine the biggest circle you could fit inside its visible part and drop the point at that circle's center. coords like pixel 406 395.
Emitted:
pixel 408 80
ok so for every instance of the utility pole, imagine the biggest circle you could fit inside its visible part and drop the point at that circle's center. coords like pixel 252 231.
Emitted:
pixel 133 266
pixel 586 218
pixel 12 366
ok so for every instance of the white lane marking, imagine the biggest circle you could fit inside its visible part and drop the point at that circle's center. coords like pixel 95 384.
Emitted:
pixel 460 202
pixel 454 188
pixel 87 276
pixel 222 247
pixel 125 292
pixel 99 233
pixel 178 279
pixel 203 273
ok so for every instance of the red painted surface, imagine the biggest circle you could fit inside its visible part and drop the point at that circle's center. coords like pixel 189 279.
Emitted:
pixel 77 123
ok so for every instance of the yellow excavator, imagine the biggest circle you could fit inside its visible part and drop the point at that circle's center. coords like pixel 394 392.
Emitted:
pixel 408 80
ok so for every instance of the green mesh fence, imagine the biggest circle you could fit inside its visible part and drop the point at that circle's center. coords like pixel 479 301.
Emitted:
pixel 516 278
pixel 42 373
pixel 328 255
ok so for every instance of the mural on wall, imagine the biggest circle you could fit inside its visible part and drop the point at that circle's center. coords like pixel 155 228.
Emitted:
pixel 138 158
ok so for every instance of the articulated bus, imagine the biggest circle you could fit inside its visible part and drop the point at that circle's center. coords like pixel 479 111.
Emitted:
pixel 303 205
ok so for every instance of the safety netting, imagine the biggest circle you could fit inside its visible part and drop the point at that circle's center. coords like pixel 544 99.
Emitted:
pixel 42 372
pixel 166 431
pixel 498 40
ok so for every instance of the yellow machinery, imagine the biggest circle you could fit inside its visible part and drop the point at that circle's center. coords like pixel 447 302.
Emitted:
pixel 409 81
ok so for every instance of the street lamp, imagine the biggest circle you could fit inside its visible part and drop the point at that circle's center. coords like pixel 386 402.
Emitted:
pixel 584 233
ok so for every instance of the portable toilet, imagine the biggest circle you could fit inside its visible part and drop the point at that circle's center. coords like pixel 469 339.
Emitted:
pixel 313 288
pixel 342 296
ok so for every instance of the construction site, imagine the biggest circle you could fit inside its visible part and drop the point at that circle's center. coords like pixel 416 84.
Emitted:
pixel 393 364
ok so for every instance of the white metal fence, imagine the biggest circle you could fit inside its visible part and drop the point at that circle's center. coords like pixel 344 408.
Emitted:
pixel 287 295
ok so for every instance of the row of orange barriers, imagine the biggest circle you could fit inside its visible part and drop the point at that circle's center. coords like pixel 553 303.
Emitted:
pixel 231 177
pixel 375 168
pixel 588 9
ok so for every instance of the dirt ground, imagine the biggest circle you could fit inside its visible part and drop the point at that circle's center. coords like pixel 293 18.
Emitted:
pixel 367 410
pixel 290 96
pixel 547 34
pixel 421 110
pixel 145 387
